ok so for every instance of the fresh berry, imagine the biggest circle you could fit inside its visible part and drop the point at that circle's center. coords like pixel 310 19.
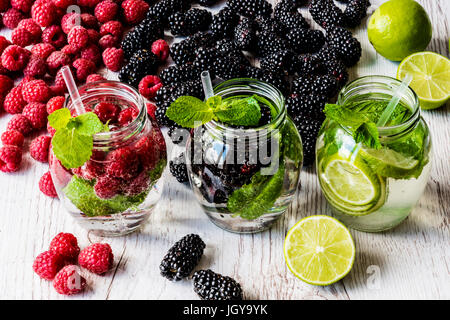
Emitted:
pixel 134 10
pixel 63 4
pixel 94 77
pixel 66 245
pixel 278 62
pixel 355 11
pixel 269 42
pixel 54 35
pixel 59 86
pixel 22 5
pixel 126 116
pixel 39 148
pixel 213 286
pixel 141 37
pixel 55 103
pixel 224 22
pixel 286 14
pixel 113 58
pixel 183 52
pixel 347 47
pixel 36 91
pixel 47 264
pixel 42 50
pixel 108 41
pixel 15 58
pixel 4 43
pixel 36 67
pixel 149 85
pixel 20 123
pixel 32 27
pixel 160 48
pixel 84 68
pixel 56 60
pixel 46 185
pixel 107 187
pixel 6 84
pixel 107 112
pixel 182 257
pixel 13 138
pixel 113 28
pixel 122 163
pixel 97 258
pixel 178 168
pixel 251 8
pixel 68 281
pixel 306 40
pixel 88 3
pixel 92 52
pixel 106 11
pixel 36 112
pixel 12 17
pixel 245 35
pixel 151 108
pixel 50 130
pixel 189 22
pixel 22 37
pixel 43 12
pixel 163 9
pixel 78 37
pixel 10 158
pixel 69 20
pixel 142 63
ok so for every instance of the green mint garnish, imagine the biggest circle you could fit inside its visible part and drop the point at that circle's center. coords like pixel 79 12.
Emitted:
pixel 73 141
pixel 190 112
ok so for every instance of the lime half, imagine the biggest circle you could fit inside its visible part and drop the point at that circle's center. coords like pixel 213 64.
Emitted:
pixel 319 250
pixel 431 77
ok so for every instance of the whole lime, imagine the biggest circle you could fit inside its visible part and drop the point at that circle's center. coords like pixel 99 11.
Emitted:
pixel 399 28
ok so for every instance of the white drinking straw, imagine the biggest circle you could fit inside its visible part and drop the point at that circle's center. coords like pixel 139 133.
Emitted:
pixel 73 91
pixel 207 85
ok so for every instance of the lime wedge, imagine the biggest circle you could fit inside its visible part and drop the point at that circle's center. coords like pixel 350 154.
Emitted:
pixel 319 250
pixel 431 77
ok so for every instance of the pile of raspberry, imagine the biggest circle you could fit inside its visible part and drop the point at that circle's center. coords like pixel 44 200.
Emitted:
pixel 44 38
pixel 59 263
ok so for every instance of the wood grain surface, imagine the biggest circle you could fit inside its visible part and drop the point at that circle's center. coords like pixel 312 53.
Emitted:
pixel 410 262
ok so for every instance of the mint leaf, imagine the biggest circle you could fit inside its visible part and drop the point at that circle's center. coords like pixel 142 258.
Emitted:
pixel 89 124
pixel 71 148
pixel 255 199
pixel 214 101
pixel 58 119
pixel 189 112
pixel 239 112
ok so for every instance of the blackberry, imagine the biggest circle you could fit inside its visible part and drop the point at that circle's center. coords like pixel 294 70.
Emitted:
pixel 228 68
pixel 183 52
pixel 322 85
pixel 306 40
pixel 228 48
pixel 347 47
pixel 142 36
pixel 189 22
pixel 182 257
pixel 355 11
pixel 277 80
pixel 267 24
pixel 164 9
pixel 207 3
pixel 326 13
pixel 223 23
pixel 304 107
pixel 142 63
pixel 268 43
pixel 278 62
pixel 333 65
pixel 251 8
pixel 302 85
pixel 203 39
pixel 245 35
pixel 176 74
pixel 307 64
pixel 178 169
pixel 213 286
pixel 308 129
pixel 286 13
pixel 205 59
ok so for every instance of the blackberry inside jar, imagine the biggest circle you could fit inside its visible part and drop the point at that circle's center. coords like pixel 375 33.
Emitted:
pixel 115 191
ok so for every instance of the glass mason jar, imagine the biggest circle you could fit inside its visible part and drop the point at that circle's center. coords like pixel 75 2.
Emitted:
pixel 114 202
pixel 375 189
pixel 245 178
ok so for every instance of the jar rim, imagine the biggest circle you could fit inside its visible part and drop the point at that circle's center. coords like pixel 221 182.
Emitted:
pixel 352 87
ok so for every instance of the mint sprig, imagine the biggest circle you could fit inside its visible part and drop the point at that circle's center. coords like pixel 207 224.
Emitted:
pixel 73 140
pixel 191 112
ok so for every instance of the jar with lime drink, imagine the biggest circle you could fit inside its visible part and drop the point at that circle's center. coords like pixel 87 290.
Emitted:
pixel 373 175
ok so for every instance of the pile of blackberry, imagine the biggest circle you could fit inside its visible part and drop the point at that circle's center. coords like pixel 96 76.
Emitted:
pixel 308 66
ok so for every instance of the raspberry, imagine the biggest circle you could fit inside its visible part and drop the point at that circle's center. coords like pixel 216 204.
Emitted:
pixel 32 27
pixel 88 3
pixel 46 185
pixel 114 28
pixel 39 148
pixel 4 43
pixel 14 58
pixel 108 41
pixel 36 91
pixel 97 258
pixel 55 103
pixel 161 49
pixel 36 67
pixel 127 115
pixel 137 185
pixel 6 84
pixel 149 85
pixel 145 148
pixel 20 123
pixel 94 77
pixel 22 37
pixel 66 245
pixel 151 109
pixel 10 158
pixel 42 50
pixel 94 36
pixel 83 68
pixel 92 52
pixel 59 86
pixel 43 12
pixel 134 11
pixel 89 21
pixel 69 20
pixel 14 102
pixel 122 163
pixel 50 130
pixel 37 114
pixel 56 60
pixel 78 37
pixel 107 112
pixel 107 187
pixel 63 4
pixel 12 17
pixel 106 11
pixel 54 35
pixel 22 5
pixel 71 51
pixel 113 58
pixel 13 138
pixel 47 264
pixel 68 281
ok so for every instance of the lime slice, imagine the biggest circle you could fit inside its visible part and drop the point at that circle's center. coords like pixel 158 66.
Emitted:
pixel 431 77
pixel 349 183
pixel 319 250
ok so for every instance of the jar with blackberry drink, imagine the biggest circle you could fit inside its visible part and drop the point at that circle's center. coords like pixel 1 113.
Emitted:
pixel 245 155
pixel 106 162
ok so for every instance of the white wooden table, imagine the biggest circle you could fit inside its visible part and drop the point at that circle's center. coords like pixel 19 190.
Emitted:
pixel 411 261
